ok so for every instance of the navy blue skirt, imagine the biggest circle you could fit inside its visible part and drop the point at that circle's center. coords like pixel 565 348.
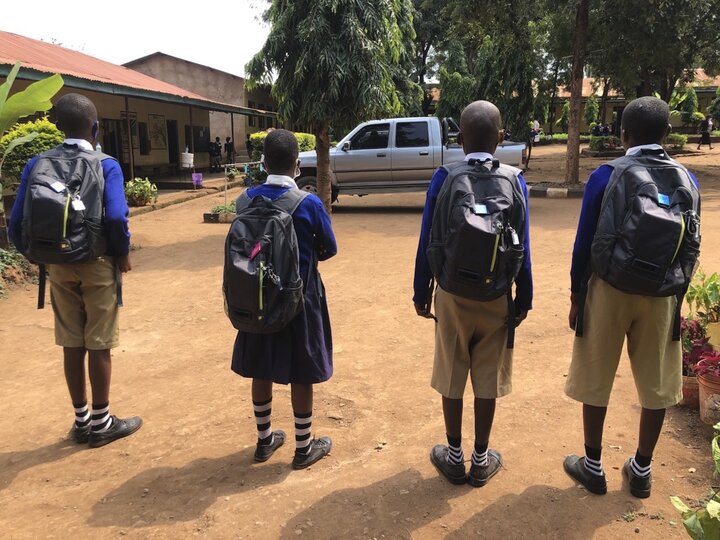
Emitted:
pixel 300 353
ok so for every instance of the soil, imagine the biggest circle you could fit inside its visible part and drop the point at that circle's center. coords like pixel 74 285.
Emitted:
pixel 189 470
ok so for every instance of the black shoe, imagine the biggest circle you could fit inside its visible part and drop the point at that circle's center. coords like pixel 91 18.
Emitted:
pixel 121 427
pixel 479 476
pixel 80 434
pixel 639 485
pixel 454 473
pixel 263 452
pixel 575 467
pixel 319 448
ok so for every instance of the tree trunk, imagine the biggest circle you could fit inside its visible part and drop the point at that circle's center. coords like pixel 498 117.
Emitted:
pixel 572 170
pixel 324 174
pixel 553 95
pixel 603 100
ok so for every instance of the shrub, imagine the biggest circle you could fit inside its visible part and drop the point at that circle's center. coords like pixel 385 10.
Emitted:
pixel 48 137
pixel 715 133
pixel 306 141
pixel 14 269
pixel 228 208
pixel 562 137
pixel 676 141
pixel 605 143
pixel 140 192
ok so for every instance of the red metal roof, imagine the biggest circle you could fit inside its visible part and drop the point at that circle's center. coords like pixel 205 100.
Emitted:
pixel 50 58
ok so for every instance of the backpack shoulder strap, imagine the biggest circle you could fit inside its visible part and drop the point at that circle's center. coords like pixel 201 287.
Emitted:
pixel 290 200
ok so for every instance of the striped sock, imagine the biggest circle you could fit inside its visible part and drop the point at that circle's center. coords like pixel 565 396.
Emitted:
pixel 101 419
pixel 263 410
pixel 641 465
pixel 303 432
pixel 593 462
pixel 455 453
pixel 480 455
pixel 82 414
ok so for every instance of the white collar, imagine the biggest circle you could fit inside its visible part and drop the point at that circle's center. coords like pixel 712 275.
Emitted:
pixel 280 181
pixel 480 156
pixel 635 150
pixel 80 143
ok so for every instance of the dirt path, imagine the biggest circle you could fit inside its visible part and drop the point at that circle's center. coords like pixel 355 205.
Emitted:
pixel 189 471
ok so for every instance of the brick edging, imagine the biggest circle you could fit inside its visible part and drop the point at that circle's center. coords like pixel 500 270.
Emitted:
pixel 548 192
pixel 204 192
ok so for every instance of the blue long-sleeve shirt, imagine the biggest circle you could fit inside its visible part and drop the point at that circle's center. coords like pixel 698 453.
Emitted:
pixel 587 224
pixel 312 226
pixel 116 208
pixel 423 274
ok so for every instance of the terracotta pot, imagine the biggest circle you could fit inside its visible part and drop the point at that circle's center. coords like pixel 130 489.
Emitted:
pixel 691 392
pixel 227 217
pixel 709 398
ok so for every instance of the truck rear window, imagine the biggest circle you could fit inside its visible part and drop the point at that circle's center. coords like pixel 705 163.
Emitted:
pixel 412 135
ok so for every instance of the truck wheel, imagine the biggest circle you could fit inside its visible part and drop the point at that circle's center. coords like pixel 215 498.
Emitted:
pixel 309 183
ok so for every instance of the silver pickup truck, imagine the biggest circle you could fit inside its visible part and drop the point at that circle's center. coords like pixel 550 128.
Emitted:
pixel 395 155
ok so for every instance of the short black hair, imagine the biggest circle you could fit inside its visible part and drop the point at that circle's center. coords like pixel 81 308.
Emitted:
pixel 280 150
pixel 646 120
pixel 74 114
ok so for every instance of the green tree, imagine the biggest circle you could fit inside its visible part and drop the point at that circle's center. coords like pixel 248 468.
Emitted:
pixel 689 106
pixel 35 98
pixel 592 108
pixel 572 163
pixel 714 107
pixel 333 63
pixel 564 119
pixel 431 38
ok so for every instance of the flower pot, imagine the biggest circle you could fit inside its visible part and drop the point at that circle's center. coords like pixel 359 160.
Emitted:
pixel 691 392
pixel 709 386
pixel 211 218
pixel 226 217
pixel 712 331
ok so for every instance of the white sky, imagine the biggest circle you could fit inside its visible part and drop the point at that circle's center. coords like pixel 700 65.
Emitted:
pixel 222 35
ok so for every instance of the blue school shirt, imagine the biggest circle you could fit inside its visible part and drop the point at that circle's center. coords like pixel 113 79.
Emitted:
pixel 116 209
pixel 589 215
pixel 423 275
pixel 312 223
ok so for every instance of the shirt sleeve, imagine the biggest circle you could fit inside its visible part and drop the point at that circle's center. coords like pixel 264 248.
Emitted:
pixel 16 214
pixel 587 225
pixel 423 276
pixel 116 209
pixel 524 280
pixel 325 242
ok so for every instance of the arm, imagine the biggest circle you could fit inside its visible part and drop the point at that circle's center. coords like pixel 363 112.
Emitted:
pixel 16 214
pixel 423 276
pixel 325 242
pixel 524 280
pixel 116 213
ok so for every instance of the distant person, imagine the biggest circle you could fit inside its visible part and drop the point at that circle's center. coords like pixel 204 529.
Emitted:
pixel 631 289
pixel 248 147
pixel 215 155
pixel 475 257
pixel 705 131
pixel 84 281
pixel 299 353
pixel 605 130
pixel 596 130
pixel 229 150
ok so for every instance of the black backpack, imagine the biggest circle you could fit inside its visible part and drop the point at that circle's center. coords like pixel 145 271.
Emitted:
pixel 64 211
pixel 478 228
pixel 648 233
pixel 261 279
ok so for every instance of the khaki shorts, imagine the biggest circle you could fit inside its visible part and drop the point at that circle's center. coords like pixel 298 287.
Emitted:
pixel 84 301
pixel 655 359
pixel 471 336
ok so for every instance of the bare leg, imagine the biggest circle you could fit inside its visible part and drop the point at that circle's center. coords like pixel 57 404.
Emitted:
pixel 484 415
pixel 261 390
pixel 74 361
pixel 301 396
pixel 452 412
pixel 100 372
pixel 593 424
pixel 651 422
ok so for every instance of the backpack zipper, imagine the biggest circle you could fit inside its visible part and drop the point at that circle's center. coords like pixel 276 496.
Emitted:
pixel 66 215
pixel 682 235
pixel 497 245
pixel 262 278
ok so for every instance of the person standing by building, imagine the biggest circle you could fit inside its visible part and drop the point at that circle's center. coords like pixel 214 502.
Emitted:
pixel 229 150
pixel 215 155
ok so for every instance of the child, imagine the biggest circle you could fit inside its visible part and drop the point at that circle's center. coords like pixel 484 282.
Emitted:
pixel 301 353
pixel 84 294
pixel 605 309
pixel 471 335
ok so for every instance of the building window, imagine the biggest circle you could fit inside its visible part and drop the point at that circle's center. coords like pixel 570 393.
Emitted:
pixel 144 139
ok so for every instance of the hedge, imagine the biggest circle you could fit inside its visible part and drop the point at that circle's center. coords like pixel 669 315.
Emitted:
pixel 49 137
pixel 609 142
pixel 306 141
pixel 676 140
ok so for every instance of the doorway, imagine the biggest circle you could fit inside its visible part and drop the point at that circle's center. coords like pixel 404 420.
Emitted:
pixel 173 143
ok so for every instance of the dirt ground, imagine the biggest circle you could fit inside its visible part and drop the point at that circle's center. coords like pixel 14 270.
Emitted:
pixel 189 470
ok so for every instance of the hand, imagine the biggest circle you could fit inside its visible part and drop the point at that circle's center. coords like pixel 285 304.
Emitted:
pixel 424 311
pixel 574 311
pixel 123 263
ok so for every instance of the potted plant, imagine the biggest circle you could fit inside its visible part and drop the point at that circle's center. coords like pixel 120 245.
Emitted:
pixel 232 172
pixel 707 370
pixel 140 192
pixel 694 344
pixel 224 213
pixel 703 297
